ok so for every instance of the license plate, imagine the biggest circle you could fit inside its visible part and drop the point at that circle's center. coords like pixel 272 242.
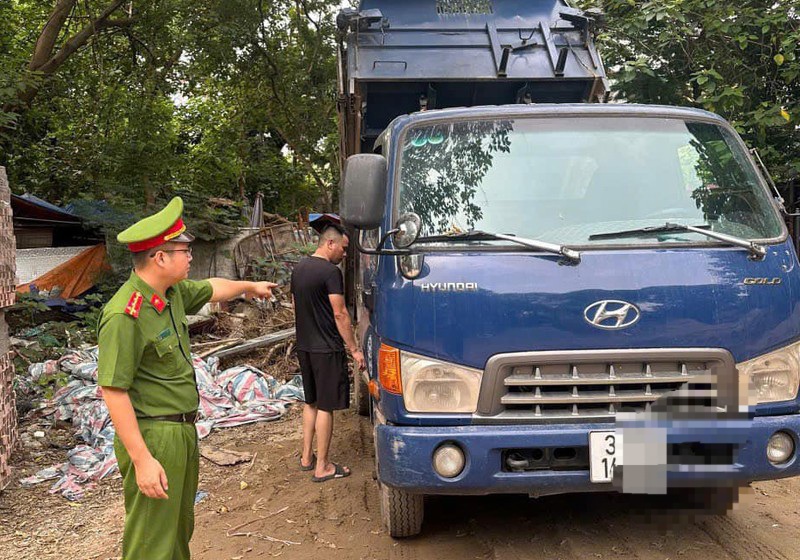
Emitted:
pixel 605 453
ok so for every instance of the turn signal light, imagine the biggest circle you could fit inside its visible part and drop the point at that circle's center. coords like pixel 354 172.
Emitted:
pixel 389 369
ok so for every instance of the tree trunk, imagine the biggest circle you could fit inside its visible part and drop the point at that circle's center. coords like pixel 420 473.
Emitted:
pixel 307 163
pixel 50 33
pixel 45 62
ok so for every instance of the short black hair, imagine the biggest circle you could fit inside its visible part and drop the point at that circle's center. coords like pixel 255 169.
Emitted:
pixel 336 227
pixel 140 258
pixel 332 232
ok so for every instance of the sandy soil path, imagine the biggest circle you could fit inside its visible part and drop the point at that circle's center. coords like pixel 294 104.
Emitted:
pixel 268 508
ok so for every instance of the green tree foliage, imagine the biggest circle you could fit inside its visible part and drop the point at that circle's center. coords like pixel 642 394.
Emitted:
pixel 738 59
pixel 132 102
pixel 443 170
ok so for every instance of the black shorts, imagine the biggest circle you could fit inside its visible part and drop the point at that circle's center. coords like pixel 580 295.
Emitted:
pixel 325 379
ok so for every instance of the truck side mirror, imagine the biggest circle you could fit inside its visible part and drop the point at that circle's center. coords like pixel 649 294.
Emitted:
pixel 363 196
pixel 406 230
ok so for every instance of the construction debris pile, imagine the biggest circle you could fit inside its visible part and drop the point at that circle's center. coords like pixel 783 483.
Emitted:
pixel 244 361
pixel 230 397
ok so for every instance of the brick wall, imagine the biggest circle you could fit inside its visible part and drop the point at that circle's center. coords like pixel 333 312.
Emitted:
pixel 8 415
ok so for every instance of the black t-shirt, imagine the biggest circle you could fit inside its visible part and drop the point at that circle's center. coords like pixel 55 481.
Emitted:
pixel 313 279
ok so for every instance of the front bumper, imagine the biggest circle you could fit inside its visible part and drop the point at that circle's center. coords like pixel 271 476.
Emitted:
pixel 405 455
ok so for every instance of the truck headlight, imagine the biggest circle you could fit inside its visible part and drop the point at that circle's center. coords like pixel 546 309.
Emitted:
pixel 433 386
pixel 775 376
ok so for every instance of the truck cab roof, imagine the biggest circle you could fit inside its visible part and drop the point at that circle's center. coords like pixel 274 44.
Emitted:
pixel 558 110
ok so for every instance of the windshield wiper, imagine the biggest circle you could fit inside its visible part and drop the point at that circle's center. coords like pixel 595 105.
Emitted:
pixel 574 257
pixel 756 250
pixel 652 230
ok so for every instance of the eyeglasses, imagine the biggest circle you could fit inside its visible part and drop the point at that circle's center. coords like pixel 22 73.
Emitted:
pixel 188 251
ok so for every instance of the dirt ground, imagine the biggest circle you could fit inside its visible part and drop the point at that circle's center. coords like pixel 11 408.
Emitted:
pixel 268 508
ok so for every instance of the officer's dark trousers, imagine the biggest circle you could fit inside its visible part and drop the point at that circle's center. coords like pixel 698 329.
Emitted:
pixel 161 529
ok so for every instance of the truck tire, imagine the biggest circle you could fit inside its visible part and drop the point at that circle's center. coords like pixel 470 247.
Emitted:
pixel 402 512
pixel 361 394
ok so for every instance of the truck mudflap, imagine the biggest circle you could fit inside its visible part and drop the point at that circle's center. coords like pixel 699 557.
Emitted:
pixel 552 459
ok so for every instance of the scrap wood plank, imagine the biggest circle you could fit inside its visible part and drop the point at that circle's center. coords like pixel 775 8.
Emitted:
pixel 233 341
pixel 261 341
pixel 200 323
pixel 219 345
pixel 225 457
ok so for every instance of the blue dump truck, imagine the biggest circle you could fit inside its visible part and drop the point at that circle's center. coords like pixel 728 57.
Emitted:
pixel 554 293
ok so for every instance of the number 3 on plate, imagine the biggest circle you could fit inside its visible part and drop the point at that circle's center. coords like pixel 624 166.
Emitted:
pixel 611 444
pixel 605 454
pixel 611 461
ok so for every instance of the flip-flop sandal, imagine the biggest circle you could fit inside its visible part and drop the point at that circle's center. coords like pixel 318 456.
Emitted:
pixel 338 472
pixel 310 467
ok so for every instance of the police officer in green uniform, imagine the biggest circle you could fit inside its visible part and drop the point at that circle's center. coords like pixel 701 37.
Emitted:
pixel 145 370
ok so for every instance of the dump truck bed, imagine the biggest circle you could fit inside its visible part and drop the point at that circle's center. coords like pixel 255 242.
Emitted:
pixel 401 57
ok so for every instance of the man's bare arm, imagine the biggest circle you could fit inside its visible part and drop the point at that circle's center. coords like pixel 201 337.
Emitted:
pixel 150 475
pixel 345 327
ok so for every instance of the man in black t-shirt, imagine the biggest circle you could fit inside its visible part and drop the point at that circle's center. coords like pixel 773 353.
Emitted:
pixel 323 330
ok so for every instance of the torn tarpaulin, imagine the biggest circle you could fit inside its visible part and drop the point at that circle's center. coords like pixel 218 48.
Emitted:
pixel 235 396
pixel 240 395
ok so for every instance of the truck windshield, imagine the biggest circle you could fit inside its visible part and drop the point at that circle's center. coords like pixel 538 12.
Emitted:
pixel 568 180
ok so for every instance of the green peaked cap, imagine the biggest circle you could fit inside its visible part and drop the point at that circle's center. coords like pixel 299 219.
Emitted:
pixel 155 225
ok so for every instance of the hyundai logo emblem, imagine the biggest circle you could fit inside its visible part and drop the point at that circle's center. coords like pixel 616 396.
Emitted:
pixel 611 314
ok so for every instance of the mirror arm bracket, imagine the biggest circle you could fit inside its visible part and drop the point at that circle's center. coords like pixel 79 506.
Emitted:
pixel 380 249
pixel 385 238
pixel 777 194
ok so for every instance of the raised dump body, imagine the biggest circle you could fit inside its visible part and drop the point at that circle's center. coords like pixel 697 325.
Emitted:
pixel 403 57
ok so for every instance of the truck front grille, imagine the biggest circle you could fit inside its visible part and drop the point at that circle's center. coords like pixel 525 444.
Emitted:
pixel 583 385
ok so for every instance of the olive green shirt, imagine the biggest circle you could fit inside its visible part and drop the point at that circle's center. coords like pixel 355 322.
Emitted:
pixel 143 345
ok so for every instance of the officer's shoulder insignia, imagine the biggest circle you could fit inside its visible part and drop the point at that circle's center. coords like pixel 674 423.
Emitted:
pixel 158 303
pixel 134 304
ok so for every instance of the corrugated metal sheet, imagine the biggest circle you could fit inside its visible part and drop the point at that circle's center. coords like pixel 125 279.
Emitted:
pixel 74 276
pixel 32 263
